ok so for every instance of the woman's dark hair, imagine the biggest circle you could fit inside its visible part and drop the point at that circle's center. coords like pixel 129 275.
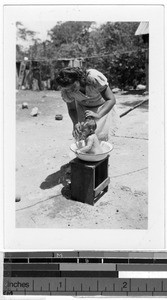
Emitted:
pixel 69 75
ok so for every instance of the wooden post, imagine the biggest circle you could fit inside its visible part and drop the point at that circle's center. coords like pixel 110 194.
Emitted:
pixel 21 73
pixel 147 69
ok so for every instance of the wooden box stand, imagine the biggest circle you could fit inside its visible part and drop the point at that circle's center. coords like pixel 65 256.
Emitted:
pixel 89 180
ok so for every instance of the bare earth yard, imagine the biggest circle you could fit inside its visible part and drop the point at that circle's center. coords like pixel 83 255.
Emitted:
pixel 42 168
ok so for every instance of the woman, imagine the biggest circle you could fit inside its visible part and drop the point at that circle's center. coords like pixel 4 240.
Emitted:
pixel 87 94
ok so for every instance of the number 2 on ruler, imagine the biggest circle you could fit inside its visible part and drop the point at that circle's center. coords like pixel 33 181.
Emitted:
pixel 125 285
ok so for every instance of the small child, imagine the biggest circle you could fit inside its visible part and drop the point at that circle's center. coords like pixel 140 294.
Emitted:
pixel 92 144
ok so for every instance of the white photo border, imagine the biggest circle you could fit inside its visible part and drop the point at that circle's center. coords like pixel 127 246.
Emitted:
pixel 92 239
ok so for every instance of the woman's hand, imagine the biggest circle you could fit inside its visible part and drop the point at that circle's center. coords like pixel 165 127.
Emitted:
pixel 78 151
pixel 89 113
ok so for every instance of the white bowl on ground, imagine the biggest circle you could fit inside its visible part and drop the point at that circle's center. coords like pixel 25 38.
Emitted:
pixel 106 147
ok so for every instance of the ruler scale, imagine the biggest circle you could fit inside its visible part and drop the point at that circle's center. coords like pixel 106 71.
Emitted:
pixel 82 273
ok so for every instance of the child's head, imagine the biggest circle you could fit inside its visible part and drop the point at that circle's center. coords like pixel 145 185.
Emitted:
pixel 89 127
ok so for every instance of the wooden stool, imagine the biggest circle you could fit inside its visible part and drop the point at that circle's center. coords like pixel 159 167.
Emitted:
pixel 89 180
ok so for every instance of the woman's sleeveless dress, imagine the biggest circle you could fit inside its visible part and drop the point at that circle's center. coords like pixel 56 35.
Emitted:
pixel 92 100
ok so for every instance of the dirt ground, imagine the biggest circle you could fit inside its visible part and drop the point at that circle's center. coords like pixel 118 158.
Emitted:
pixel 43 174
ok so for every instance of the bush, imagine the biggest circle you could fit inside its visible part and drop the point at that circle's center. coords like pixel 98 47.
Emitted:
pixel 123 70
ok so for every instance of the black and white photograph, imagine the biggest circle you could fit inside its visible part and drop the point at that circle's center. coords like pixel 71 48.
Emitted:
pixel 84 88
pixel 83 116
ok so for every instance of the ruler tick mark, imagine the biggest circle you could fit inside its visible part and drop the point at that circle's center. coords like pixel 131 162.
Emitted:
pixel 162 286
pixel 124 287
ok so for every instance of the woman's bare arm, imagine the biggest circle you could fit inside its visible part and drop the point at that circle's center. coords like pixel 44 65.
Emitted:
pixel 107 106
pixel 72 112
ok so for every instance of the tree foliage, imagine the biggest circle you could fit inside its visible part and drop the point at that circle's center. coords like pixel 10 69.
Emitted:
pixel 112 48
pixel 69 32
pixel 119 35
pixel 23 33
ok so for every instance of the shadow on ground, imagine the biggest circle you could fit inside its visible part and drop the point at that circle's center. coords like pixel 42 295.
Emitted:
pixel 63 176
